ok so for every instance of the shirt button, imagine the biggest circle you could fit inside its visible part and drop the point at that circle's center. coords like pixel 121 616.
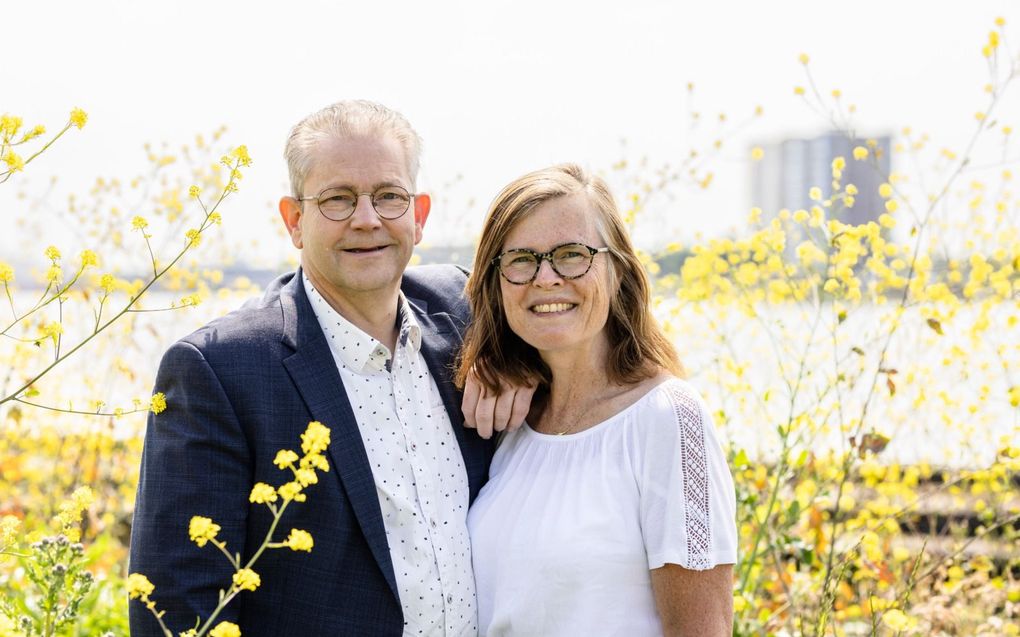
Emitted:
pixel 414 447
pixel 433 524
pixel 449 599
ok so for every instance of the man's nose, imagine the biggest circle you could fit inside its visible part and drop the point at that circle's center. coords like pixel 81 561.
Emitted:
pixel 364 215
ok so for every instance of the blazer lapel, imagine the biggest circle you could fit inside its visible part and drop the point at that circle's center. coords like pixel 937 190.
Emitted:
pixel 440 337
pixel 315 375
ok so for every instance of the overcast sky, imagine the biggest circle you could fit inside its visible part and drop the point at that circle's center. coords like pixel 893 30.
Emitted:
pixel 496 88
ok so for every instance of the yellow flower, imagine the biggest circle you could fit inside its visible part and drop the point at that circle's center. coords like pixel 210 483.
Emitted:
pixel 157 403
pixel 14 161
pixel 54 274
pixel 8 527
pixel 107 282
pixel 139 586
pixel 860 152
pixel 757 153
pixel 285 458
pixel 885 190
pixel 194 237
pixel 241 155
pixel 262 493
pixel 52 253
pixel 292 491
pixel 898 620
pixel 202 529
pixel 838 164
pixel 315 439
pixel 247 579
pixel 139 223
pixel 6 273
pixel 225 629
pixel 79 117
pixel 798 90
pixel 299 540
pixel 851 189
pixel 9 125
pixel 306 477
pixel 88 258
pixel 815 193
pixel 194 191
pixel 803 58
pixel 892 205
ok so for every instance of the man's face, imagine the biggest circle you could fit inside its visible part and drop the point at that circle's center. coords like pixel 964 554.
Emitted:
pixel 363 256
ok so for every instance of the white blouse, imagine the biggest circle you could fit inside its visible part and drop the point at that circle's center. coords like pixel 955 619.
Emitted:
pixel 566 530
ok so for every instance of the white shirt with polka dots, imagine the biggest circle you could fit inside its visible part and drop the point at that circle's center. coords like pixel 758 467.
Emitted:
pixel 417 465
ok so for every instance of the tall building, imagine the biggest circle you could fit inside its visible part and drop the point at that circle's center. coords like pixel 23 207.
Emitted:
pixel 791 167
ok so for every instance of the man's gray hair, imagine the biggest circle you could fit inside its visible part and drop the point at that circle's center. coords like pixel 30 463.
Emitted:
pixel 345 119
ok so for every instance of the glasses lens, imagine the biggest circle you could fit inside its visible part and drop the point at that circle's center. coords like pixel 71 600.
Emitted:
pixel 391 202
pixel 518 266
pixel 572 260
pixel 337 203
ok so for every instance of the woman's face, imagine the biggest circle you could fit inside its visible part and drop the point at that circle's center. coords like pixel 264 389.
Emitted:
pixel 551 313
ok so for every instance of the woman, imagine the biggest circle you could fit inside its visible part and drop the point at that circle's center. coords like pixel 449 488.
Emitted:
pixel 611 511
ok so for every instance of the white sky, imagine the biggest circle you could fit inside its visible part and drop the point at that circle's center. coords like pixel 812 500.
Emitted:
pixel 496 88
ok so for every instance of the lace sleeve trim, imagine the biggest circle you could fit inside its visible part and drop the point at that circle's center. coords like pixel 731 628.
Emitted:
pixel 695 478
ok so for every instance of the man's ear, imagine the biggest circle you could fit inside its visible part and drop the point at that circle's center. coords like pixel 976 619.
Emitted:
pixel 422 205
pixel 290 212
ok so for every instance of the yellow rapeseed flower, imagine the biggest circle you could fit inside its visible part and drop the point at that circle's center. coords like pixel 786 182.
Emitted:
pixel 798 90
pixel 202 529
pixel 292 491
pixel 139 586
pixel 247 579
pixel 262 493
pixel 157 403
pixel 885 190
pixel 107 283
pixel 139 222
pixel 299 540
pixel 79 117
pixel 8 528
pixel 803 58
pixel 838 164
pixel 225 629
pixel 891 205
pixel 6 273
pixel 194 237
pixel 194 191
pixel 285 458
pixel 315 439
pixel 757 153
pixel 52 253
pixel 88 258
pixel 815 193
pixel 241 155
pixel 14 161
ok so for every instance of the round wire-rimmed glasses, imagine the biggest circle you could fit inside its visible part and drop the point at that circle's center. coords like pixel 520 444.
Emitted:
pixel 338 204
pixel 569 261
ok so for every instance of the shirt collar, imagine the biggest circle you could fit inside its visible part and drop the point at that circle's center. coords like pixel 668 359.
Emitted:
pixel 354 348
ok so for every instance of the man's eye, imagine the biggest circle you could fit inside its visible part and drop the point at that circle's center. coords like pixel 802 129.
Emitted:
pixel 338 198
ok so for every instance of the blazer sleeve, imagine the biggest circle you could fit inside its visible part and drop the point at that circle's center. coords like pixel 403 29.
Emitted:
pixel 196 461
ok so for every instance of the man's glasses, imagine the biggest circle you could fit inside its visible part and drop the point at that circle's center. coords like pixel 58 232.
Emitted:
pixel 337 204
pixel 569 261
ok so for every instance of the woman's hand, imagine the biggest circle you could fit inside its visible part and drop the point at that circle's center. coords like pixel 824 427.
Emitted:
pixel 491 412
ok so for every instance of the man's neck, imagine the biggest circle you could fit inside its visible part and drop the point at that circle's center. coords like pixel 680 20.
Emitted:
pixel 374 312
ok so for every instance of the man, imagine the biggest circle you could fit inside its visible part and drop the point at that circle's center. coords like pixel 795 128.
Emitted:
pixel 350 340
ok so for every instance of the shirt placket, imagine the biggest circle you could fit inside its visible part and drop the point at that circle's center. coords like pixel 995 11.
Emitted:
pixel 409 406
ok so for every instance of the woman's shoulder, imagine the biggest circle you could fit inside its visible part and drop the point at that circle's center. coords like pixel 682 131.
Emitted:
pixel 673 405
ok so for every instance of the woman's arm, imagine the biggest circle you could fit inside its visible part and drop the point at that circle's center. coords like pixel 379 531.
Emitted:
pixel 698 603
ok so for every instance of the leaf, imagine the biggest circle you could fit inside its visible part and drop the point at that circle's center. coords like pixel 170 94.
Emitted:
pixel 857 350
pixel 873 442
pixel 935 325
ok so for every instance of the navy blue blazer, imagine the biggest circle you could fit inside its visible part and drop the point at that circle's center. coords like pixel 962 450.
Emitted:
pixel 237 391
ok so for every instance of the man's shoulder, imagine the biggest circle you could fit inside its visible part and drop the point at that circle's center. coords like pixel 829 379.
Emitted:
pixel 436 283
pixel 253 325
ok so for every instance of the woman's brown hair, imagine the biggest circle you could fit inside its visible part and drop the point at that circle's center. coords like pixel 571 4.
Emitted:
pixel 638 348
